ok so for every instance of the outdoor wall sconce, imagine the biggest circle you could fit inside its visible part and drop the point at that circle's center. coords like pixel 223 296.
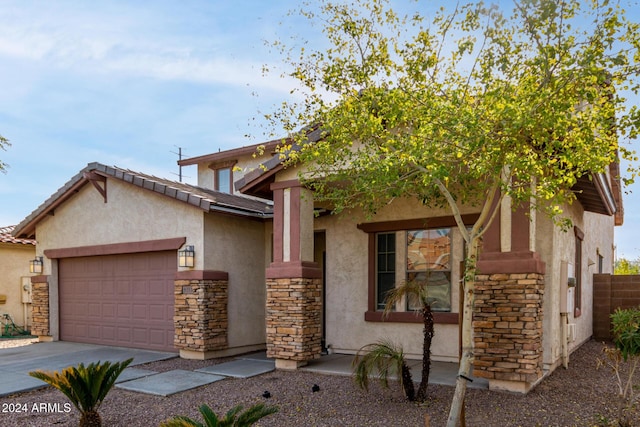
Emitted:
pixel 35 265
pixel 186 256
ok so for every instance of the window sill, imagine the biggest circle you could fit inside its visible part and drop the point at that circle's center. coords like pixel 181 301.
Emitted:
pixel 410 317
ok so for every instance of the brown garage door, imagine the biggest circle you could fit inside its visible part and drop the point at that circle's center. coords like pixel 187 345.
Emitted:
pixel 120 300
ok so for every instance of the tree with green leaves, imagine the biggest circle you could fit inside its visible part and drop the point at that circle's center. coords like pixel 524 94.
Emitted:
pixel 625 266
pixel 462 108
pixel 85 386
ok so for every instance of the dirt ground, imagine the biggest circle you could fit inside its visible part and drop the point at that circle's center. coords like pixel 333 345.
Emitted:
pixel 582 395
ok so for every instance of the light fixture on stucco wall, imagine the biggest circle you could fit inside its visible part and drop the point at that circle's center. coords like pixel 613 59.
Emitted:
pixel 35 265
pixel 186 256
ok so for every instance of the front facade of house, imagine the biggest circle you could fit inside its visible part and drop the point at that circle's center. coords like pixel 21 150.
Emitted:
pixel 273 270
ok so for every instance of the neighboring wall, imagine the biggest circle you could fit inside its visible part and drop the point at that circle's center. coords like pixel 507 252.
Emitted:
pixel 14 265
pixel 612 292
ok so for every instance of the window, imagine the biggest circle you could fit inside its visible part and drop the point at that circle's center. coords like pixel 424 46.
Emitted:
pixel 385 266
pixel 429 262
pixel 223 180
pixel 415 249
pixel 223 176
pixel 600 263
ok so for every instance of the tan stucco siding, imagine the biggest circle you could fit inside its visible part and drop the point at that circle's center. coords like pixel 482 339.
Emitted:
pixel 14 265
pixel 131 214
pixel 556 246
pixel 236 245
pixel 347 285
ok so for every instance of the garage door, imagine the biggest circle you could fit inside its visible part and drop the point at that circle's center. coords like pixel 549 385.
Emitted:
pixel 121 300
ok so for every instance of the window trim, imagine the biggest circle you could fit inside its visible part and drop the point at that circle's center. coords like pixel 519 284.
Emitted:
pixel 372 315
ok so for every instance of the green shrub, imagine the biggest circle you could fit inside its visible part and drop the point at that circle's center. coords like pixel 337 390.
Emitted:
pixel 85 386
pixel 233 418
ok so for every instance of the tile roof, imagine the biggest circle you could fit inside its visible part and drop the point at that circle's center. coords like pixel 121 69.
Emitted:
pixel 7 237
pixel 202 198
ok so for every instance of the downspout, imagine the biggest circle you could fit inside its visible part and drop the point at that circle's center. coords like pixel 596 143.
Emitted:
pixel 565 344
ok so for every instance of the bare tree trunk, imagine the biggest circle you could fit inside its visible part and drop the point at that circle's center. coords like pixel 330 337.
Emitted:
pixel 464 370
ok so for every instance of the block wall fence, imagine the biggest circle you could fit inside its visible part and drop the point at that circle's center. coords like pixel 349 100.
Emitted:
pixel 609 293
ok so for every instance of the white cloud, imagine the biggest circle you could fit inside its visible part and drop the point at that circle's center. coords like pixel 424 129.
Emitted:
pixel 85 42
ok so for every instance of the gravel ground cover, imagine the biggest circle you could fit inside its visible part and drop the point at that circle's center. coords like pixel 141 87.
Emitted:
pixel 579 396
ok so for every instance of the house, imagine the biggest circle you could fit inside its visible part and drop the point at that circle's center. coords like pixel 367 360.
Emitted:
pixel 272 269
pixel 15 285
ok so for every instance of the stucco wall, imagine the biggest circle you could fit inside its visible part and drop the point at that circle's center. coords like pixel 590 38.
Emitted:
pixel 14 265
pixel 556 246
pixel 131 214
pixel 237 246
pixel 347 286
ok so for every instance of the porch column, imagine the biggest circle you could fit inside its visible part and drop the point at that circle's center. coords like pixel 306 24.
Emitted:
pixel 40 320
pixel 508 315
pixel 294 281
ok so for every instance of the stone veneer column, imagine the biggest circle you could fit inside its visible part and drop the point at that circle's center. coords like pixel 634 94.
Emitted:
pixel 200 313
pixel 40 321
pixel 294 281
pixel 293 320
pixel 508 314
pixel 508 330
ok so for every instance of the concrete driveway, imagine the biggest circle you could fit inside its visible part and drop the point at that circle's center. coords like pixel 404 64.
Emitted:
pixel 17 362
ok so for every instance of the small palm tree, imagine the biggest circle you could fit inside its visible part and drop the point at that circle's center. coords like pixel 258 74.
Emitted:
pixel 233 418
pixel 382 358
pixel 85 386
pixel 370 358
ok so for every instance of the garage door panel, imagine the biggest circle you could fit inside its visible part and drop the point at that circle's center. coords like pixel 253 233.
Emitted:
pixel 94 331
pixel 123 300
pixel 107 333
pixel 140 312
pixel 108 311
pixel 157 312
pixel 106 288
pixel 124 288
pixel 140 289
pixel 157 336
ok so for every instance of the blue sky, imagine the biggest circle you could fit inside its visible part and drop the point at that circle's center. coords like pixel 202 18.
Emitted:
pixel 126 83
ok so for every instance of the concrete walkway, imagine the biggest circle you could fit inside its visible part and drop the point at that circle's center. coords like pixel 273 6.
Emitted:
pixel 443 373
pixel 17 362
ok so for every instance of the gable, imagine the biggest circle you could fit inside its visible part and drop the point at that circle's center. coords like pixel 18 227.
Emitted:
pixel 99 176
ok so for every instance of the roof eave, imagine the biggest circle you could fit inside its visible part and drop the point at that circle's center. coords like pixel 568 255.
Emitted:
pixel 230 154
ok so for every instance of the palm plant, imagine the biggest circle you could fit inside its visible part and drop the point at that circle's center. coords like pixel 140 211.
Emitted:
pixel 382 356
pixel 382 359
pixel 233 418
pixel 85 386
